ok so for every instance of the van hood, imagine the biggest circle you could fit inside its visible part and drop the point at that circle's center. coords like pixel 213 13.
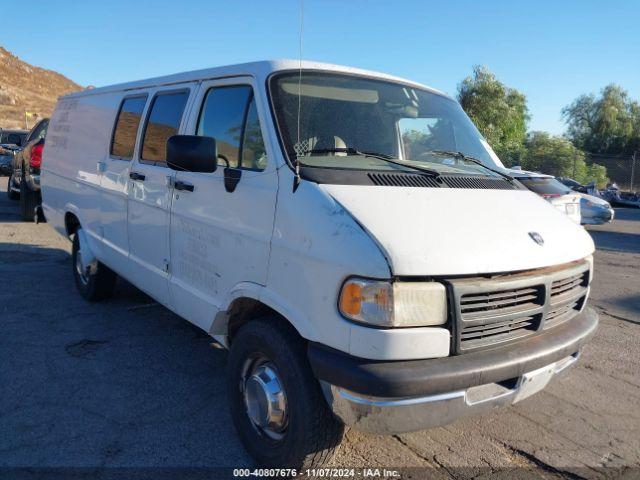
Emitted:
pixel 447 231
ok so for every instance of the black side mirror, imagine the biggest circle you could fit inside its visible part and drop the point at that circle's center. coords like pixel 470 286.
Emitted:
pixel 192 153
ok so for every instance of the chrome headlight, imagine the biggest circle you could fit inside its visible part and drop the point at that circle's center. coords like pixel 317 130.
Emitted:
pixel 397 304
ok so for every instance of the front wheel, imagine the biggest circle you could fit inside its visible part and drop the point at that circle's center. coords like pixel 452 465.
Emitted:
pixel 93 284
pixel 276 403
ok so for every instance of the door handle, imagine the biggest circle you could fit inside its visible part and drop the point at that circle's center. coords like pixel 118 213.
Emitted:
pixel 180 185
pixel 136 176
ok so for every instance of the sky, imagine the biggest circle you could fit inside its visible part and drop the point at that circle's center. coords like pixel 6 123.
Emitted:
pixel 552 51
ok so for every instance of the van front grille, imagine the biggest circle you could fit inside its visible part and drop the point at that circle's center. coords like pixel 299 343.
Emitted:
pixel 567 297
pixel 570 286
pixel 477 336
pixel 559 315
pixel 490 304
pixel 505 308
pixel 494 317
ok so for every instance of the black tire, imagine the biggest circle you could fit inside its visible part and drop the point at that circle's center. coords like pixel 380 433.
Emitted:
pixel 28 201
pixel 312 433
pixel 94 287
pixel 10 193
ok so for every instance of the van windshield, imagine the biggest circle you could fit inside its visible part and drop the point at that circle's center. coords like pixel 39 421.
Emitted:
pixel 329 120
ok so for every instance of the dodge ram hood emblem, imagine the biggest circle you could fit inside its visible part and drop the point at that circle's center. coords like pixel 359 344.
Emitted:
pixel 536 237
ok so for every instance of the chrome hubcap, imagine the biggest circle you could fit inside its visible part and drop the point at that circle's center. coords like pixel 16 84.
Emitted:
pixel 265 399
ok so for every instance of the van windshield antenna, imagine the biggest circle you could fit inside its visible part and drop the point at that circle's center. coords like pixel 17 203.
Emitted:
pixel 297 166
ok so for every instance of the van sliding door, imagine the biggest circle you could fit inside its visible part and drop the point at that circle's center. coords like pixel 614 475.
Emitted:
pixel 150 192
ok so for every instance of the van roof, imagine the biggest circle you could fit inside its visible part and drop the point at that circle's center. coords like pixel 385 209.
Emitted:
pixel 260 70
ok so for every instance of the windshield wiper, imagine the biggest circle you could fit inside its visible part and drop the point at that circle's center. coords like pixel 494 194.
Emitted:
pixel 468 158
pixel 380 156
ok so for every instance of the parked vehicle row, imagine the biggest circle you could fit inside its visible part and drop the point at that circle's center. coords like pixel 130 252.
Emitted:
pixel 24 175
pixel 349 236
pixel 10 142
pixel 620 198
pixel 7 151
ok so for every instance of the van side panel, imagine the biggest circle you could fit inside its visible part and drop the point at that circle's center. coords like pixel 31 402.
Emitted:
pixel 78 138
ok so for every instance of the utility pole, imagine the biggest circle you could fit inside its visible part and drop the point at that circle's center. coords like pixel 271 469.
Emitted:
pixel 633 169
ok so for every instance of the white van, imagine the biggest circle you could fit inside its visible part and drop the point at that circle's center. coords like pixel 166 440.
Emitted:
pixel 348 235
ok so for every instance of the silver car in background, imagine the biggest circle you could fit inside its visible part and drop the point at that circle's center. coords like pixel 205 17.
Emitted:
pixel 557 194
pixel 594 209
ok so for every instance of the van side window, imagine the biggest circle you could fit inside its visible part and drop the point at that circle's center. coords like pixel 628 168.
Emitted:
pixel 127 123
pixel 162 123
pixel 229 115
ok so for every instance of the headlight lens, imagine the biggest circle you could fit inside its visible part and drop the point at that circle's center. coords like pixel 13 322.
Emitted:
pixel 398 304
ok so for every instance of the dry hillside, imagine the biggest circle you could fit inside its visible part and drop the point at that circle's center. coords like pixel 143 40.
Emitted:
pixel 25 87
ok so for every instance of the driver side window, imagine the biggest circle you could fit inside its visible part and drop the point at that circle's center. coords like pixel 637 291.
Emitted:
pixel 230 116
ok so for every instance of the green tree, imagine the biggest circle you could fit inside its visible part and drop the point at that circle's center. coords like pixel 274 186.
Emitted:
pixel 557 156
pixel 499 112
pixel 605 124
pixel 596 173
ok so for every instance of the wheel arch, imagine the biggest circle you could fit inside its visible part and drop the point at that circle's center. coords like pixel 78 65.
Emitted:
pixel 249 301
pixel 71 223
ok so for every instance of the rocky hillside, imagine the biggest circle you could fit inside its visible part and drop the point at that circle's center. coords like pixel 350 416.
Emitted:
pixel 25 87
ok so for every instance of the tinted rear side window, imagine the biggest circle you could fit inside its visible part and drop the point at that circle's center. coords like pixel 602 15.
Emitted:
pixel 124 135
pixel 162 123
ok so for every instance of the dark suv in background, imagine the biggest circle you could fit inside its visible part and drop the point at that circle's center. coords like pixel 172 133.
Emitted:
pixel 12 137
pixel 10 142
pixel 25 176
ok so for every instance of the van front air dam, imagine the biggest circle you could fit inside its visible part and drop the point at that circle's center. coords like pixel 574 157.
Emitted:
pixel 441 375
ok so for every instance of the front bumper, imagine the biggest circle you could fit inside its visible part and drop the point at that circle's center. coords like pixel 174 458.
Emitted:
pixel 394 397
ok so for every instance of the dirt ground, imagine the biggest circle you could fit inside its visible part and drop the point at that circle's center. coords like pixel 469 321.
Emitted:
pixel 127 389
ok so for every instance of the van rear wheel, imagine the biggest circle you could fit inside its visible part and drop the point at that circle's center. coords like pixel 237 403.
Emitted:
pixel 93 284
pixel 276 403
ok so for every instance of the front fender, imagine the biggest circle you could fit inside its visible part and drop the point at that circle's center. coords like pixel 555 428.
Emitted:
pixel 260 293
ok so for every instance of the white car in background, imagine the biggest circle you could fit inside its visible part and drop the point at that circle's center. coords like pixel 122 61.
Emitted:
pixel 559 195
pixel 594 209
